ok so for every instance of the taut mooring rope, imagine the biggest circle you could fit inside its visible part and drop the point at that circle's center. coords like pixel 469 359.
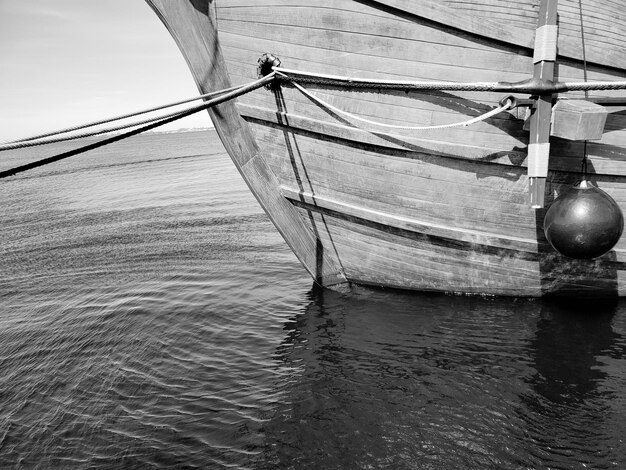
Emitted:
pixel 42 139
pixel 336 80
pixel 33 143
pixel 119 118
pixel 226 96
pixel 527 86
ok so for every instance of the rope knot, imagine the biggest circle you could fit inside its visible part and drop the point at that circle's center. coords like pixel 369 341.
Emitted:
pixel 267 62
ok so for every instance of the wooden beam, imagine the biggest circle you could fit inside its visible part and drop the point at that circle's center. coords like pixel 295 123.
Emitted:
pixel 523 246
pixel 539 140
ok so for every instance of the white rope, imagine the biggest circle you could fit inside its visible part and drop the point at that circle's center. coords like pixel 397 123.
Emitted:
pixel 469 122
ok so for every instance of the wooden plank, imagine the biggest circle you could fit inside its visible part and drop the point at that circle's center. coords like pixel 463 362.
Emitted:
pixel 606 160
pixel 496 133
pixel 428 190
pixel 381 139
pixel 351 38
pixel 505 21
pixel 457 194
pixel 569 47
pixel 427 264
pixel 473 237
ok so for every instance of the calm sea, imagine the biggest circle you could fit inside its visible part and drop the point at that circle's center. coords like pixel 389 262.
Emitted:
pixel 151 317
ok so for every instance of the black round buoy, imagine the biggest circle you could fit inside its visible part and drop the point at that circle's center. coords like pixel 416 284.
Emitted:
pixel 583 223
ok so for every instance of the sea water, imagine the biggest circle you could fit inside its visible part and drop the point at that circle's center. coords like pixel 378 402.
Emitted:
pixel 152 317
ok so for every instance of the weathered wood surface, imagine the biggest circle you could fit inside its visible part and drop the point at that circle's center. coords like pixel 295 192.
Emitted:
pixel 437 210
pixel 505 21
pixel 578 120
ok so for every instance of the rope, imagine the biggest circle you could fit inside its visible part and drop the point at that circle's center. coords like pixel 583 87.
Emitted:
pixel 123 116
pixel 208 104
pixel 32 143
pixel 521 87
pixel 324 79
pixel 589 86
pixel 507 105
pixel 582 38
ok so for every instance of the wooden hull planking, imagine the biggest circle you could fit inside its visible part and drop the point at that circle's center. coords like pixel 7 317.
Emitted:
pixel 442 210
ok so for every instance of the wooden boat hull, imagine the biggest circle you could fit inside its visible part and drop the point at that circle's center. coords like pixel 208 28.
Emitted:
pixel 442 210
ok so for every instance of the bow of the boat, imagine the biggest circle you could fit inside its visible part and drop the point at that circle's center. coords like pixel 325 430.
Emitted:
pixel 192 24
pixel 431 209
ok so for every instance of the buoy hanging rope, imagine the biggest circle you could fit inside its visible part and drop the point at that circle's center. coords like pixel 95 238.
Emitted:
pixel 225 96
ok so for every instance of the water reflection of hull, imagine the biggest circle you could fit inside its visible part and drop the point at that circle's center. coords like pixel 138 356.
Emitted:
pixel 389 380
pixel 573 411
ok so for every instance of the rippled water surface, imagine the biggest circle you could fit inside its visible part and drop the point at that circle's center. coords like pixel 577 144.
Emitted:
pixel 152 317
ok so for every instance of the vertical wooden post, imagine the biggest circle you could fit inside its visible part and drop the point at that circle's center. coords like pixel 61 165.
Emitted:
pixel 539 142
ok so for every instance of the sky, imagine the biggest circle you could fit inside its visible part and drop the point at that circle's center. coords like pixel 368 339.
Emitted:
pixel 67 62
